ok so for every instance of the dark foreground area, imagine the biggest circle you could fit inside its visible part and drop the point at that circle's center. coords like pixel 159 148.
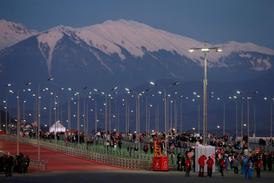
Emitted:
pixel 128 177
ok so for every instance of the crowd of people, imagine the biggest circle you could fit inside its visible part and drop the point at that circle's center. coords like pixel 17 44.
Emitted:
pixel 231 153
pixel 249 164
pixel 10 164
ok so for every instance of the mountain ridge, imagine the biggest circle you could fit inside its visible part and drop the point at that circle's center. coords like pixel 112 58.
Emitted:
pixel 138 38
pixel 12 33
pixel 131 55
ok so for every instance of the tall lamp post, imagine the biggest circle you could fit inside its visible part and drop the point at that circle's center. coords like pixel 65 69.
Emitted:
pixel 205 50
pixel 6 106
pixel 18 124
pixel 236 116
pixel 271 114
pixel 137 95
pixel 38 117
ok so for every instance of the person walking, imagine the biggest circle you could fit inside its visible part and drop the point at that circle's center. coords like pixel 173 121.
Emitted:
pixel 245 166
pixel 26 164
pixel 269 161
pixel 201 162
pixel 235 165
pixel 222 166
pixel 183 163
pixel 179 162
pixel 264 160
pixel 188 166
pixel 9 165
pixel 250 169
pixel 210 163
pixel 258 166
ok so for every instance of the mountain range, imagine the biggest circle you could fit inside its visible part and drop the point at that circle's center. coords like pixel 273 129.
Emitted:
pixel 127 53
pixel 121 52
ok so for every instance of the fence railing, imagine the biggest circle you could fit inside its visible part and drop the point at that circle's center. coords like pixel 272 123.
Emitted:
pixel 38 165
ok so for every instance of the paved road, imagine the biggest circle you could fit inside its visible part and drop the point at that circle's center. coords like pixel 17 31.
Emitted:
pixel 128 177
pixel 56 161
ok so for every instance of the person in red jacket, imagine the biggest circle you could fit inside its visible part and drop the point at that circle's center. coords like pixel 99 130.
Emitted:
pixel 188 166
pixel 222 166
pixel 201 162
pixel 210 163
pixel 258 166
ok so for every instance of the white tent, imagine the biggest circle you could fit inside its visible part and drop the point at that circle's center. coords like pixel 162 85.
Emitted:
pixel 206 150
pixel 57 127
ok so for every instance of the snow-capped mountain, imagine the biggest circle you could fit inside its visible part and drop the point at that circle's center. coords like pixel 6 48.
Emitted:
pixel 138 39
pixel 129 54
pixel 118 51
pixel 12 33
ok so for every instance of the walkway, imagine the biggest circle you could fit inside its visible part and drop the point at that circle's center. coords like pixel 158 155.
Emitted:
pixel 56 161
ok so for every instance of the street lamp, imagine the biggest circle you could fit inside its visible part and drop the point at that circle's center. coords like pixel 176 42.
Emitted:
pixel 205 50
pixel 248 111
pixel 196 98
pixel 271 114
pixel 18 118
pixel 8 86
pixel 236 116
pixel 6 116
pixel 137 108
pixel 218 127
pixel 18 124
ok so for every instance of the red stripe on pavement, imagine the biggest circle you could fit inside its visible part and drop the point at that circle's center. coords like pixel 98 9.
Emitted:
pixel 56 161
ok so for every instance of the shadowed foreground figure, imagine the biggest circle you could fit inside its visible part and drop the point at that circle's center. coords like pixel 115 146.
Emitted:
pixel 17 164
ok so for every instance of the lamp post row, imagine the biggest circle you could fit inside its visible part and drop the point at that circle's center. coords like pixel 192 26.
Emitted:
pixel 138 115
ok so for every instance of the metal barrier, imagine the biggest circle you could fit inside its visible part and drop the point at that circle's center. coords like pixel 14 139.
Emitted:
pixel 38 165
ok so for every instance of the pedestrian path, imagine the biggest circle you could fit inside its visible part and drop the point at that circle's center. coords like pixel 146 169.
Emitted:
pixel 56 160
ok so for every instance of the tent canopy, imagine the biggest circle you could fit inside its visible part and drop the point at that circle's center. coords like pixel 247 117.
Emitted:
pixel 57 127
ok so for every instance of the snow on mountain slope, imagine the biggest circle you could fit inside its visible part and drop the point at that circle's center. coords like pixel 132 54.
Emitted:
pixel 47 41
pixel 111 37
pixel 133 36
pixel 12 33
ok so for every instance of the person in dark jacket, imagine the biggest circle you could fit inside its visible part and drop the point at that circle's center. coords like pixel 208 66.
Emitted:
pixel 269 161
pixel 264 161
pixel 26 164
pixel 2 163
pixel 235 165
pixel 179 162
pixel 9 164
pixel 183 163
